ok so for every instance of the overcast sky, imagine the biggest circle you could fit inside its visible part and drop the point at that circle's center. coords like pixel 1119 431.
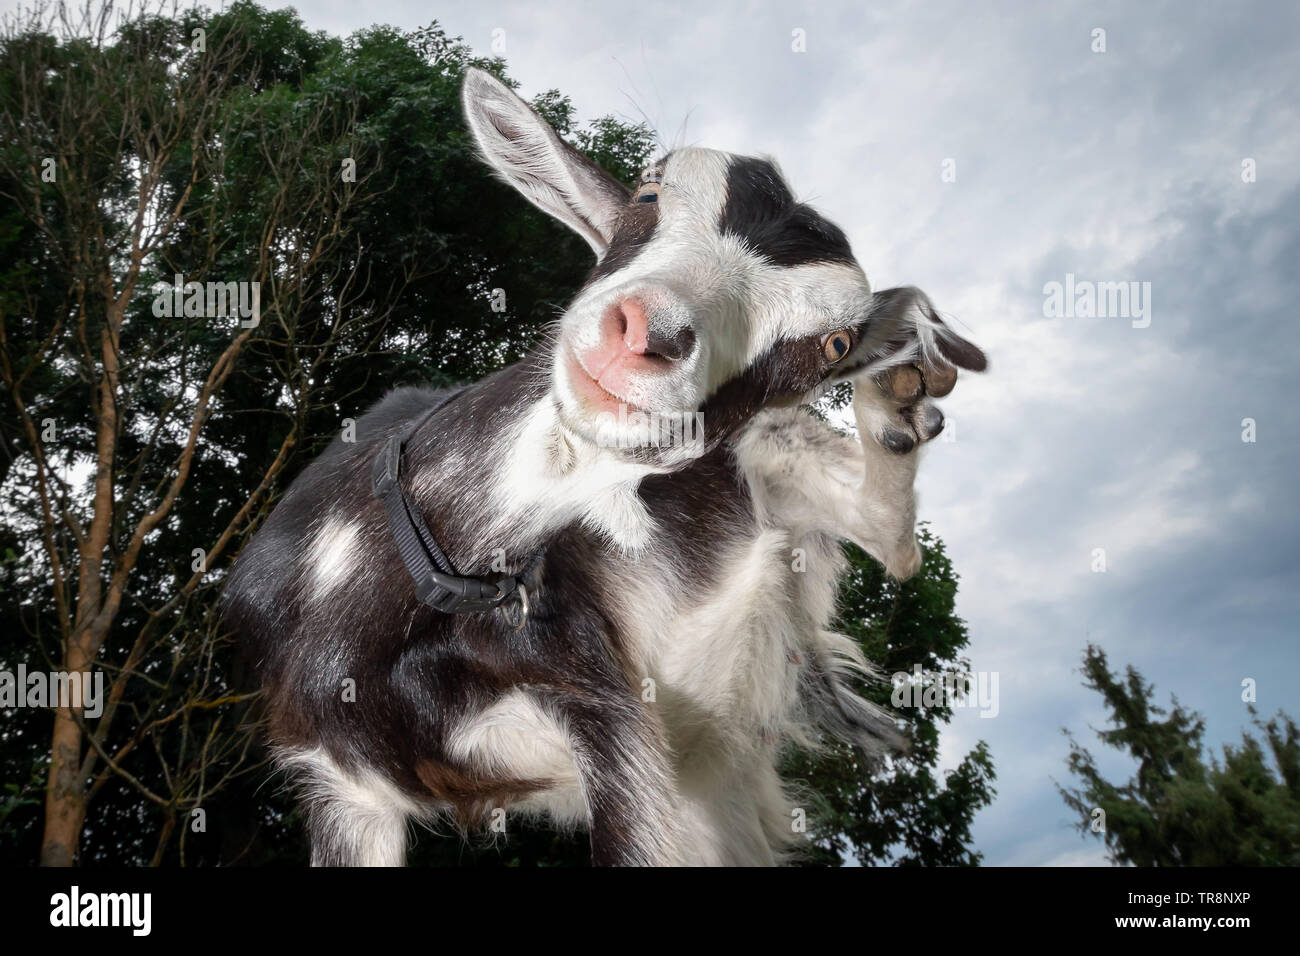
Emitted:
pixel 1087 433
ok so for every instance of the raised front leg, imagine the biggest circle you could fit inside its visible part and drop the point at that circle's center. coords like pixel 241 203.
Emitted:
pixel 894 417
pixel 810 479
pixel 821 485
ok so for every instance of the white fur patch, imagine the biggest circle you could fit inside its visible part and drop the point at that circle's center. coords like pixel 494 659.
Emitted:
pixel 515 738
pixel 332 556
pixel 358 819
pixel 592 485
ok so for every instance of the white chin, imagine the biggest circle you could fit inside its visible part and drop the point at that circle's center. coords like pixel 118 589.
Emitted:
pixel 674 436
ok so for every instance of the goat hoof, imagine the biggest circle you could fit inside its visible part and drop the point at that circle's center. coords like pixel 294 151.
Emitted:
pixel 929 421
pixel 902 383
pixel 939 379
pixel 899 415
pixel 897 440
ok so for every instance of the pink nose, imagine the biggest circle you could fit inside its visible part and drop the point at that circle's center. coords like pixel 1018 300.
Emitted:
pixel 626 321
pixel 633 348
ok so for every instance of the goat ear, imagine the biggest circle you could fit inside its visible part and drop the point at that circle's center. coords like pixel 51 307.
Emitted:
pixel 906 327
pixel 526 152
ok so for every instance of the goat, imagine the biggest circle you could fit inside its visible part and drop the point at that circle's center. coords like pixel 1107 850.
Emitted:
pixel 675 632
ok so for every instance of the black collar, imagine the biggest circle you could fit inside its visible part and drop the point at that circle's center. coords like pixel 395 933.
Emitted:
pixel 436 582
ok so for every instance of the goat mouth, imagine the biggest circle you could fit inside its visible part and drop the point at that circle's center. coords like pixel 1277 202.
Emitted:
pixel 589 389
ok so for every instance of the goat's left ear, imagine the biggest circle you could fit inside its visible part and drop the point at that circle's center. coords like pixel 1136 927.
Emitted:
pixel 904 326
pixel 528 154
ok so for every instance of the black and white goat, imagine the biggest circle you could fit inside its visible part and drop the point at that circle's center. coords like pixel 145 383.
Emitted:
pixel 676 635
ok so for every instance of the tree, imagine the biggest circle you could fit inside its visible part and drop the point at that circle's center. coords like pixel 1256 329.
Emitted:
pixel 1177 810
pixel 121 149
pixel 898 809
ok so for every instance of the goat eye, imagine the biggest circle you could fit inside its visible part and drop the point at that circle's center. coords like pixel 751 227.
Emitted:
pixel 649 192
pixel 837 345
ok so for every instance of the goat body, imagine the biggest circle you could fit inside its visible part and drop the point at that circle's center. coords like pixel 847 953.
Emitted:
pixel 678 632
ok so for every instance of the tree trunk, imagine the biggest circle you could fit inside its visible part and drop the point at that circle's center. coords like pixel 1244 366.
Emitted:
pixel 65 796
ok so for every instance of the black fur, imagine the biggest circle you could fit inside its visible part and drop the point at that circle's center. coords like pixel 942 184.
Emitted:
pixel 761 210
pixel 636 227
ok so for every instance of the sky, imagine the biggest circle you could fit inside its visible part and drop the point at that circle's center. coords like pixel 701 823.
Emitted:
pixel 983 151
